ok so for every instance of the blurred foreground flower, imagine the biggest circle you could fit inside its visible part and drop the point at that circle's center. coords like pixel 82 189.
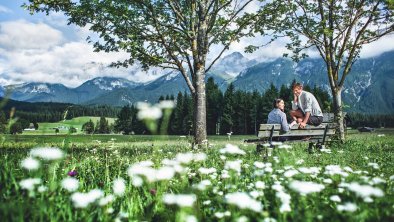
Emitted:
pixel 244 201
pixel 349 207
pixel 30 163
pixel 47 153
pixel 29 183
pixel 82 200
pixel 119 187
pixel 70 184
pixel 182 200
pixel 306 187
pixel 232 149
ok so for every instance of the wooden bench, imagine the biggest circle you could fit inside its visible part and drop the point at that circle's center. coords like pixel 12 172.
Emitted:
pixel 316 136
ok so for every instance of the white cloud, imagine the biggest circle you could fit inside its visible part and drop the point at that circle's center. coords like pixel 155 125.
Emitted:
pixel 25 35
pixel 376 48
pixel 4 9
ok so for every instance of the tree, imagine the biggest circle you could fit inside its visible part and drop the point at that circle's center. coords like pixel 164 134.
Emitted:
pixel 88 127
pixel 16 128
pixel 227 120
pixel 214 104
pixel 124 122
pixel 171 34
pixel 102 126
pixel 72 130
pixel 337 29
pixel 3 122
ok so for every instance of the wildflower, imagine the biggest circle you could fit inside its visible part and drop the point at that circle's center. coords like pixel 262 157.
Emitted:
pixel 166 104
pixel 42 189
pixel 374 165
pixel 378 180
pixel 149 113
pixel 284 146
pixel 184 157
pixel 70 184
pixel 182 200
pixel 244 201
pixel 335 198
pixel 233 165
pixel 30 163
pixel 47 153
pixel 106 200
pixel 242 219
pixel 29 184
pixel 153 192
pixel 119 187
pixel 290 173
pixel 325 150
pixel 299 162
pixel 349 207
pixel 203 185
pixel 310 170
pixel 207 171
pixel 232 149
pixel 335 169
pixel 306 187
pixel 191 218
pixel 72 173
pixel 207 202
pixel 327 180
pixel 363 191
pixel 82 200
pixel 137 181
pixel 260 185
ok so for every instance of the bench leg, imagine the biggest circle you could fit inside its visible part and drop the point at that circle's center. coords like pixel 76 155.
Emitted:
pixel 310 148
pixel 259 148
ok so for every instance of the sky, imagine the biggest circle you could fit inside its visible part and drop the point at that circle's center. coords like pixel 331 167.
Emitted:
pixel 40 48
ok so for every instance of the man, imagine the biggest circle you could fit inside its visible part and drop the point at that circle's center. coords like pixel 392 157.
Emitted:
pixel 305 108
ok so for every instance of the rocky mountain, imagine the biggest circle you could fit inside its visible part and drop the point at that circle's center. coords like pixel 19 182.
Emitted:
pixel 368 87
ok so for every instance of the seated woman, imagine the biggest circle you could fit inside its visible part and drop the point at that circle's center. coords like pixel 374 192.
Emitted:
pixel 277 116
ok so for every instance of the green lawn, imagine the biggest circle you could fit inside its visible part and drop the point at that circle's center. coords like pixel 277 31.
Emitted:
pixel 48 128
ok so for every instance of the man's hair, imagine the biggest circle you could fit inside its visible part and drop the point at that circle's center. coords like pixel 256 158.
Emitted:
pixel 276 102
pixel 296 85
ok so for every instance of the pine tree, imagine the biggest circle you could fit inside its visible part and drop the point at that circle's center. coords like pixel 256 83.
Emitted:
pixel 88 127
pixel 227 121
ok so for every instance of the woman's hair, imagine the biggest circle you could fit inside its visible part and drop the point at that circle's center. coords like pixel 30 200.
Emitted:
pixel 276 102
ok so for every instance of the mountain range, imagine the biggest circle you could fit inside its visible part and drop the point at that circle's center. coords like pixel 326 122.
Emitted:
pixel 368 88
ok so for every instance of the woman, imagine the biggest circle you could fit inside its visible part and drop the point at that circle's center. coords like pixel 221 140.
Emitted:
pixel 277 116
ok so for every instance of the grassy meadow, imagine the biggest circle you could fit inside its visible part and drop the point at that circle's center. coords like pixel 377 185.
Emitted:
pixel 46 128
pixel 163 178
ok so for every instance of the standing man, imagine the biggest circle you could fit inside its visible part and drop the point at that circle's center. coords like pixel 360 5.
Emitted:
pixel 305 108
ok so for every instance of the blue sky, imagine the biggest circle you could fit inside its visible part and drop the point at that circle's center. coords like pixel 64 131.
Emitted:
pixel 40 48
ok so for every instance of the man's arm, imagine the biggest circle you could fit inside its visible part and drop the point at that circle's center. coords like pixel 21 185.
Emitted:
pixel 294 103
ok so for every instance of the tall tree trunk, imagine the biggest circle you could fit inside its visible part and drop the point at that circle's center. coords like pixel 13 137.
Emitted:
pixel 338 112
pixel 200 111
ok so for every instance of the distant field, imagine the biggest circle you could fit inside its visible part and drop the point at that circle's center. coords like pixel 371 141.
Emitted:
pixel 48 128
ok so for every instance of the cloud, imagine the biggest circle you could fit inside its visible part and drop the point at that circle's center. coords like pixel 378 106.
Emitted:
pixel 4 9
pixel 378 47
pixel 25 35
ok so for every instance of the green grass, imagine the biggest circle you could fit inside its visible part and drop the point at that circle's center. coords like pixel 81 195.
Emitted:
pixel 365 159
pixel 48 128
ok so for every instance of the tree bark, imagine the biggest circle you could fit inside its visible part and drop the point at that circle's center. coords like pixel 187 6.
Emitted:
pixel 200 114
pixel 338 112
